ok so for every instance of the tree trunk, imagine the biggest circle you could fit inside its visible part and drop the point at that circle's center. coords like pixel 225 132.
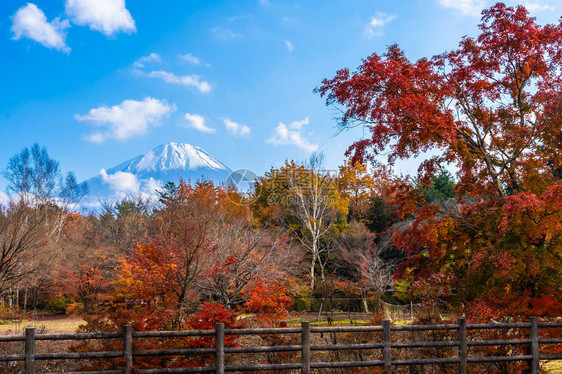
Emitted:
pixel 312 266
pixel 365 304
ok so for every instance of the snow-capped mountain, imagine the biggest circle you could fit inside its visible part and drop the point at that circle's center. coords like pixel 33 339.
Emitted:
pixel 169 158
pixel 145 173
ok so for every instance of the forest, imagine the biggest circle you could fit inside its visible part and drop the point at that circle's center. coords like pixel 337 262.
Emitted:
pixel 477 233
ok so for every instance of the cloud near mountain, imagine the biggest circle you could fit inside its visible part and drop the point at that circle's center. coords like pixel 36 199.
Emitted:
pixel 145 174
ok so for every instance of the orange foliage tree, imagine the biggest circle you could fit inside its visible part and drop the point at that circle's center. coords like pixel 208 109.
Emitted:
pixel 270 300
pixel 86 268
pixel 159 277
pixel 157 285
pixel 202 247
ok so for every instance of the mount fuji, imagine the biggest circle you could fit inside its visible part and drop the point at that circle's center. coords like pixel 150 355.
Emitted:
pixel 144 174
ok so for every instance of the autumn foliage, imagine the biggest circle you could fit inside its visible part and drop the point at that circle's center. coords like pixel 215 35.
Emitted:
pixel 503 131
pixel 493 109
pixel 269 300
pixel 477 233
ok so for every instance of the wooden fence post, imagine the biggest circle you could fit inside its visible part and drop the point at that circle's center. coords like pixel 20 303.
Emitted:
pixel 219 346
pixel 386 354
pixel 305 342
pixel 30 350
pixel 534 332
pixel 463 348
pixel 128 348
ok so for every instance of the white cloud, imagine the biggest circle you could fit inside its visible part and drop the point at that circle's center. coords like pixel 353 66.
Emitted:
pixel 297 125
pixel 225 33
pixel 239 17
pixel 291 135
pixel 30 22
pixel 106 16
pixel 376 26
pixel 121 181
pixel 536 6
pixel 197 122
pixel 289 45
pixel 187 80
pixel 236 128
pixel 190 58
pixel 168 77
pixel 468 7
pixel 150 58
pixel 127 119
pixel 123 185
pixel 4 198
pixel 151 186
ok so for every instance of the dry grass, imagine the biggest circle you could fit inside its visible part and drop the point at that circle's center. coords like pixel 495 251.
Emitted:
pixel 43 324
pixel 63 324
pixel 553 367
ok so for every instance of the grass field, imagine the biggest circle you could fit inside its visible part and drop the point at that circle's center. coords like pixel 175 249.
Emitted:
pixel 554 367
pixel 53 324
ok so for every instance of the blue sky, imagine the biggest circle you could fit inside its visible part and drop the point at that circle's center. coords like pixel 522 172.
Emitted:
pixel 96 81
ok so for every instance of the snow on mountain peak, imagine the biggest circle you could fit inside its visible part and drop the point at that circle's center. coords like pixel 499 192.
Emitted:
pixel 171 156
pixel 144 174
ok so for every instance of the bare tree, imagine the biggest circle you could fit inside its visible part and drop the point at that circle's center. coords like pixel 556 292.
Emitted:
pixel 22 237
pixel 37 181
pixel 376 273
pixel 125 222
pixel 312 201
pixel 32 174
pixel 363 260
pixel 242 254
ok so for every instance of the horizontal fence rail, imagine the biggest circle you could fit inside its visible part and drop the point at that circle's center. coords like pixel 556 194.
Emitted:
pixel 306 349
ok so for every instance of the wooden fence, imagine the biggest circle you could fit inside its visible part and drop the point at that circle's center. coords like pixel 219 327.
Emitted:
pixel 306 349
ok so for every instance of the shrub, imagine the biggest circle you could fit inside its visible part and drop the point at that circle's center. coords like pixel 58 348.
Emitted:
pixel 58 304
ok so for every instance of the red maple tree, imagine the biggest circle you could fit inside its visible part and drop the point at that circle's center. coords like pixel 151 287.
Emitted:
pixel 493 108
